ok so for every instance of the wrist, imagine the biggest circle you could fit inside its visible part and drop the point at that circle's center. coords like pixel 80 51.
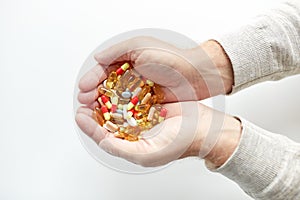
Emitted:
pixel 226 144
pixel 221 60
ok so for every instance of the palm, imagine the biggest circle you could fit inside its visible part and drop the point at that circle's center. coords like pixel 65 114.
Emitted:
pixel 160 145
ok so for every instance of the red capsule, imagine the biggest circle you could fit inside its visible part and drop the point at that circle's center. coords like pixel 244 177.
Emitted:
pixel 106 101
pixel 105 112
pixel 132 103
pixel 122 69
pixel 162 115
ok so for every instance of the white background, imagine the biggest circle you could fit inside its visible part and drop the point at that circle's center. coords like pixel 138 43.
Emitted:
pixel 42 46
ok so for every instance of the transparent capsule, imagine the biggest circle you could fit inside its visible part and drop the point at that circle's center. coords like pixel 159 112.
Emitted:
pixel 106 92
pixel 111 80
pixel 123 101
pixel 135 84
pixel 153 100
pixel 143 108
pixel 146 89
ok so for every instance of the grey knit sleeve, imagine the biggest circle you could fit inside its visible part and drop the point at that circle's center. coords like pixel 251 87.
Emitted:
pixel 265 165
pixel 266 49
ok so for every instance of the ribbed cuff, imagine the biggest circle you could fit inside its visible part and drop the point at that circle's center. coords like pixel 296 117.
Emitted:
pixel 257 161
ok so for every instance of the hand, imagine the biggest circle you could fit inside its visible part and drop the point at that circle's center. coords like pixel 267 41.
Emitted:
pixel 190 129
pixel 185 74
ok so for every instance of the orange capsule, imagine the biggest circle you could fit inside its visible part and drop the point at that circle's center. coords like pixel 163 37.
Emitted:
pixel 98 116
pixel 159 93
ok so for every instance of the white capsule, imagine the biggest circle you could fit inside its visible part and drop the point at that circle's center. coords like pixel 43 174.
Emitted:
pixel 150 114
pixel 117 116
pixel 111 126
pixel 114 100
pixel 136 91
pixel 125 114
pixel 131 121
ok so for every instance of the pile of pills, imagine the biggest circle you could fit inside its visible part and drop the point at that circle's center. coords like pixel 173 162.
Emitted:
pixel 129 104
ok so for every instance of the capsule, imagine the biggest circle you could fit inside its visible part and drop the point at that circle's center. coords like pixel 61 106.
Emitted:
pixel 114 103
pixel 98 116
pixel 146 98
pixel 132 103
pixel 151 114
pixel 131 121
pixel 136 91
pixel 105 91
pixel 111 80
pixel 125 114
pixel 111 126
pixel 159 93
pixel 106 101
pixel 134 84
pixel 149 82
pixel 142 108
pixel 162 115
pixel 130 113
pixel 105 112
pixel 146 89
pixel 122 69
pixel 100 101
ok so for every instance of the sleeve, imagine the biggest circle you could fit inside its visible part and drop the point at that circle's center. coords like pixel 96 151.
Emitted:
pixel 265 165
pixel 266 49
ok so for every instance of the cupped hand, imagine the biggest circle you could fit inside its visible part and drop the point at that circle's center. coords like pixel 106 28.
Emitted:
pixel 184 74
pixel 190 129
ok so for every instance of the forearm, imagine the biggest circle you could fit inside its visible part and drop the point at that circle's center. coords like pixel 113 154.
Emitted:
pixel 267 49
pixel 264 164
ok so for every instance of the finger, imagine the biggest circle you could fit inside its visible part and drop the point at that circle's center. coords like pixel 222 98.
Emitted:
pixel 129 50
pixel 85 110
pixel 92 78
pixel 90 127
pixel 123 148
pixel 88 97
pixel 123 51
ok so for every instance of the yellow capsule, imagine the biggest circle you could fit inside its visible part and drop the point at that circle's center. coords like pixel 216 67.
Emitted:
pixel 150 83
